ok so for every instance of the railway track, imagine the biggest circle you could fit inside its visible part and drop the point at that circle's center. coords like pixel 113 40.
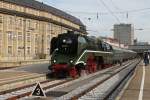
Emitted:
pixel 102 88
pixel 9 84
pixel 110 87
pixel 68 90
pixel 52 85
pixel 24 91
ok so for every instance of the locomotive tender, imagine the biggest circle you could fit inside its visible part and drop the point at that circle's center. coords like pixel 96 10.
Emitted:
pixel 71 53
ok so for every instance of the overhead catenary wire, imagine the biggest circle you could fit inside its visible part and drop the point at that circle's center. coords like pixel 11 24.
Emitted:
pixel 101 13
pixel 106 13
pixel 115 6
pixel 109 10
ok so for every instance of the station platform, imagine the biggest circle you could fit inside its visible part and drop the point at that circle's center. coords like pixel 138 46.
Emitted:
pixel 9 76
pixel 21 76
pixel 138 87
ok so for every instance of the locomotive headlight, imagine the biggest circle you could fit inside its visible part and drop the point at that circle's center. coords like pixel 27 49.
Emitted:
pixel 84 64
pixel 64 41
pixel 54 61
pixel 71 61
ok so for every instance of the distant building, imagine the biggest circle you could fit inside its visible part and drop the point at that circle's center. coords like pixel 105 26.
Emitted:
pixel 27 26
pixel 124 33
pixel 136 42
pixel 142 43
pixel 140 48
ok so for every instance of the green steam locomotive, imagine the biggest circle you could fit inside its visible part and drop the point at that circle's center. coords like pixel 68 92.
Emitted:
pixel 72 52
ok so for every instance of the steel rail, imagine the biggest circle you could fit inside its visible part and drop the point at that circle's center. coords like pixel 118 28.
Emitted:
pixel 29 92
pixel 94 86
pixel 121 82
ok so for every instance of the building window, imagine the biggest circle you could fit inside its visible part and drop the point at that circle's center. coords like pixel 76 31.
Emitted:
pixel 0 49
pixel 28 37
pixel 10 20
pixel 1 19
pixel 36 50
pixel 10 50
pixel 29 24
pixel 0 42
pixel 53 33
pixel 36 38
pixel 19 50
pixel 0 36
pixel 10 36
pixel 49 27
pixel 1 4
pixel 48 39
pixel 48 50
pixel 28 50
pixel 36 25
pixel 10 6
pixel 20 37
pixel 20 22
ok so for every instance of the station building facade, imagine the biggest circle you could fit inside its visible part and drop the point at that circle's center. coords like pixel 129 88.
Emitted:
pixel 27 26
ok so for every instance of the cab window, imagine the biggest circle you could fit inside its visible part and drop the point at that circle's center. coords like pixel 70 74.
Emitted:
pixel 81 44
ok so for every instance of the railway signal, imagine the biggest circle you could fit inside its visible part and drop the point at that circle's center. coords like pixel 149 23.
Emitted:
pixel 38 91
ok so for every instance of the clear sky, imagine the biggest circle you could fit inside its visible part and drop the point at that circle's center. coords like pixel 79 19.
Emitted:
pixel 99 16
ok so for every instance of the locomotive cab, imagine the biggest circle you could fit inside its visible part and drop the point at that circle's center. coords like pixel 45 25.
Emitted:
pixel 64 51
pixel 64 48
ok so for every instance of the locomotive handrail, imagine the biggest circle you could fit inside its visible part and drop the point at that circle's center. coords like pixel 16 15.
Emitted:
pixel 91 51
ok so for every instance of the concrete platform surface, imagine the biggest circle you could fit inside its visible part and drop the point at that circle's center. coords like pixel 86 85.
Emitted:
pixel 22 72
pixel 139 87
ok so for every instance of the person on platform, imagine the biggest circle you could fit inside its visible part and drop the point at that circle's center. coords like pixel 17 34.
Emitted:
pixel 146 58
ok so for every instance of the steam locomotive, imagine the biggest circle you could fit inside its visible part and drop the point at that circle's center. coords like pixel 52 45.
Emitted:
pixel 72 52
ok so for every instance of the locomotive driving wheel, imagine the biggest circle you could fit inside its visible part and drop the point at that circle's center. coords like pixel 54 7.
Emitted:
pixel 73 72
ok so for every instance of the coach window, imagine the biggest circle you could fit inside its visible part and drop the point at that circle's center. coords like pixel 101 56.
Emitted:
pixel 111 48
pixel 104 47
pixel 99 43
pixel 108 47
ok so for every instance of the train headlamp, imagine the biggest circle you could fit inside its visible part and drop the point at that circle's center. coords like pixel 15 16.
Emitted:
pixel 54 61
pixel 71 61
pixel 64 41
